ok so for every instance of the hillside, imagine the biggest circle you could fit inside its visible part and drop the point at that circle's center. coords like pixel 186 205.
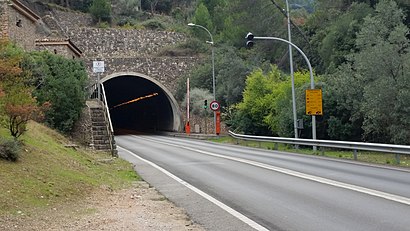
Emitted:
pixel 49 173
pixel 53 187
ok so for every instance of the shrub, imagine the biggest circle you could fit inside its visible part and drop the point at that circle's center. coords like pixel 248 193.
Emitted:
pixel 101 11
pixel 9 150
pixel 62 87
pixel 153 24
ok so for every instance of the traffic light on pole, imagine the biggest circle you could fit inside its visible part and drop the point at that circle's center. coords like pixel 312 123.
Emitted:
pixel 205 104
pixel 250 42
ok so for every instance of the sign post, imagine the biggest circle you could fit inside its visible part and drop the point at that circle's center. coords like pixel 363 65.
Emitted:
pixel 187 125
pixel 218 123
pixel 98 67
pixel 215 106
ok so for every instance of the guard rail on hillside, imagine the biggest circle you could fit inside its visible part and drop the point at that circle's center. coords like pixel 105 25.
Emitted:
pixel 109 125
pixel 376 147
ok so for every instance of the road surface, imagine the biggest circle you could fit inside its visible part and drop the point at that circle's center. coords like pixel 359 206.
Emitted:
pixel 227 187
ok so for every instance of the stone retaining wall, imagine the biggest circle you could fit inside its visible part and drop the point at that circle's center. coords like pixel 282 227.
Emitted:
pixel 166 70
pixel 122 43
pixel 125 50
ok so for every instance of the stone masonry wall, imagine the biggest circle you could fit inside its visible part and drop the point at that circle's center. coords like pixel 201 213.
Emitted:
pixel 124 50
pixel 25 34
pixel 166 70
pixel 3 19
pixel 59 50
pixel 121 43
pixel 69 19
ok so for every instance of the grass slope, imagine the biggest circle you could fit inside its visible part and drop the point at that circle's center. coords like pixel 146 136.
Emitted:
pixel 48 172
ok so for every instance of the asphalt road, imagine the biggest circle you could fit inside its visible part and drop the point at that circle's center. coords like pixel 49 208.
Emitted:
pixel 227 187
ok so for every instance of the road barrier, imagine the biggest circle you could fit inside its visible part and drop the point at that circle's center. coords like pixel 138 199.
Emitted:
pixel 376 147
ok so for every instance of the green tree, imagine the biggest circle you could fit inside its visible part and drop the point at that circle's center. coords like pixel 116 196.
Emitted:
pixel 101 10
pixel 61 83
pixel 339 36
pixel 10 58
pixel 162 6
pixel 375 79
pixel 280 118
pixel 18 107
pixel 252 112
pixel 129 7
pixel 385 49
pixel 230 71
pixel 203 18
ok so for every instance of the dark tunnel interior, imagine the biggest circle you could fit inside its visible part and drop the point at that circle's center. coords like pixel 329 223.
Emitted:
pixel 138 105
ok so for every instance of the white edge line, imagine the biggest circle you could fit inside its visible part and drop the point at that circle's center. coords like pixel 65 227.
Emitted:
pixel 228 209
pixel 376 193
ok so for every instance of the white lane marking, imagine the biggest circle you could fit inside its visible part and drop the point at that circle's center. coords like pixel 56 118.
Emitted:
pixel 376 193
pixel 228 209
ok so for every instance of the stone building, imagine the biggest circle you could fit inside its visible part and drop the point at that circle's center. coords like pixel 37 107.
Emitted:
pixel 62 47
pixel 24 27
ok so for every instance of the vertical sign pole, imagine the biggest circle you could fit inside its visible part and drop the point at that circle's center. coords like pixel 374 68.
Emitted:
pixel 218 122
pixel 98 85
pixel 187 99
pixel 187 126
pixel 98 67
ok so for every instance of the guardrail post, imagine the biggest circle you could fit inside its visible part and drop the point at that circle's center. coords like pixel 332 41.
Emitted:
pixel 322 151
pixel 276 146
pixel 355 154
pixel 398 159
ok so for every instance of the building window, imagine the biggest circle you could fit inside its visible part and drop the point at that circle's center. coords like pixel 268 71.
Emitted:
pixel 55 51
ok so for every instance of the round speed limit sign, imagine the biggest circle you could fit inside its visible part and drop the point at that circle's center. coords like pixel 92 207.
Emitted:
pixel 214 106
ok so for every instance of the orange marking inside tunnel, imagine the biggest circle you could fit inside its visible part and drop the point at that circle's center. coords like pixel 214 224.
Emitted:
pixel 135 100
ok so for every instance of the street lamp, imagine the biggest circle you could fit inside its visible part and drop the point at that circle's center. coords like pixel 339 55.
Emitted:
pixel 249 43
pixel 295 125
pixel 213 64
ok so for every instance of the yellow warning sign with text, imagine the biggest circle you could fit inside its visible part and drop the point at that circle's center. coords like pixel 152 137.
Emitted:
pixel 314 102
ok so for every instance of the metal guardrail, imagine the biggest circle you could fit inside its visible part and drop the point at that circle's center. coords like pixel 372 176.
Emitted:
pixel 109 126
pixel 376 147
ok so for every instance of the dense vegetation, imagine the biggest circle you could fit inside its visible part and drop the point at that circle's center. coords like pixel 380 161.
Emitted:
pixel 37 86
pixel 359 50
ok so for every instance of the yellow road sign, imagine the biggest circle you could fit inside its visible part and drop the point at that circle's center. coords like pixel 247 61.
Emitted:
pixel 314 102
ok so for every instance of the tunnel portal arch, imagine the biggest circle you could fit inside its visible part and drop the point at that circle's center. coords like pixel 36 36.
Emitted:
pixel 139 102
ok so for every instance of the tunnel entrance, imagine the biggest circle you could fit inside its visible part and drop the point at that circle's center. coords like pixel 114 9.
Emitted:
pixel 141 104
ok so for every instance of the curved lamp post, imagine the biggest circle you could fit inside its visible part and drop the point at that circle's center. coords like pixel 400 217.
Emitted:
pixel 250 37
pixel 295 125
pixel 213 64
